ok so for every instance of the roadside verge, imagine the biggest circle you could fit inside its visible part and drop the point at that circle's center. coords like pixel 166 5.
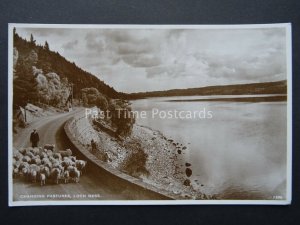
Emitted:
pixel 114 176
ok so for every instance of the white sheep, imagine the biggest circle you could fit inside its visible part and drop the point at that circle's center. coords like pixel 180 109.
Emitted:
pixel 66 176
pixel 42 179
pixel 46 171
pixel 75 175
pixel 66 153
pixel 55 175
pixel 80 165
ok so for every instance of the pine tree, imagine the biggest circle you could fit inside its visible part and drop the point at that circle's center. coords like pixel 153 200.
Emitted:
pixel 32 41
pixel 46 47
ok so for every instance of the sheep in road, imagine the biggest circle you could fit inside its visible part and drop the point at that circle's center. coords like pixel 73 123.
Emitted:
pixel 57 156
pixel 29 154
pixel 25 173
pixel 46 162
pixel 17 156
pixel 34 171
pixel 49 153
pixel 70 168
pixel 43 155
pixel 59 166
pixel 73 158
pixel 80 165
pixel 66 176
pixel 26 159
pixel 45 170
pixel 55 163
pixel 16 164
pixel 40 164
pixel 66 153
pixel 34 167
pixel 67 162
pixel 55 175
pixel 36 160
pixel 74 173
pixel 42 179
pixel 34 151
pixel 23 165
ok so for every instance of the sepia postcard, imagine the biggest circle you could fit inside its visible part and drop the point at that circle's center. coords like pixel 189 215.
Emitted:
pixel 149 114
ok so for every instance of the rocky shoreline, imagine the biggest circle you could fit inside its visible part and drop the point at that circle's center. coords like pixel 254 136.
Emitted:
pixel 163 162
pixel 147 155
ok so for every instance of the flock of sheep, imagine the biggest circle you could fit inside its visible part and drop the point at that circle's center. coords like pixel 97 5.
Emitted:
pixel 45 164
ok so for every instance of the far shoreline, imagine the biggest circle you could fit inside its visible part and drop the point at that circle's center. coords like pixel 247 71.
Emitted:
pixel 282 98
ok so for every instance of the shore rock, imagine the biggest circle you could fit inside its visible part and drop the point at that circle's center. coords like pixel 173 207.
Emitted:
pixel 187 182
pixel 188 172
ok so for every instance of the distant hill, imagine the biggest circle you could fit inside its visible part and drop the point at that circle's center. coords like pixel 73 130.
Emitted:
pixel 29 55
pixel 278 87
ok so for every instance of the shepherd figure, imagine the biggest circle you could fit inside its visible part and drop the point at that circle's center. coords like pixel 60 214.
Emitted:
pixel 34 138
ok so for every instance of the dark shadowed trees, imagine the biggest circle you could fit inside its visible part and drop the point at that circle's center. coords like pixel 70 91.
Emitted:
pixel 121 116
pixel 92 97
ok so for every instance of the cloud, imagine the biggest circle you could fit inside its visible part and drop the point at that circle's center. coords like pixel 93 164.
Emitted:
pixel 45 32
pixel 269 62
pixel 253 59
pixel 141 60
pixel 118 36
pixel 133 48
pixel 94 42
pixel 70 45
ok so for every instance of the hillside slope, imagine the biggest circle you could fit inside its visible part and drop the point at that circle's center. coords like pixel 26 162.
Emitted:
pixel 29 55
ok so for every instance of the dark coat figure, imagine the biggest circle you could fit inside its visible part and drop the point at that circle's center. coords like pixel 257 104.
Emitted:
pixel 34 138
pixel 94 146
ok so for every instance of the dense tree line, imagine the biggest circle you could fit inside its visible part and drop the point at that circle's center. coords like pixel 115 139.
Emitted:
pixel 277 87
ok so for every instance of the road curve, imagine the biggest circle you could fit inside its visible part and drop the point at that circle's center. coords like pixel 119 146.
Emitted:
pixel 92 185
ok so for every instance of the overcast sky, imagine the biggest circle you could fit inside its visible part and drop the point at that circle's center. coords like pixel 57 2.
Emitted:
pixel 133 60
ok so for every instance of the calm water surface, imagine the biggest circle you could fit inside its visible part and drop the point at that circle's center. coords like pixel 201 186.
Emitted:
pixel 239 153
